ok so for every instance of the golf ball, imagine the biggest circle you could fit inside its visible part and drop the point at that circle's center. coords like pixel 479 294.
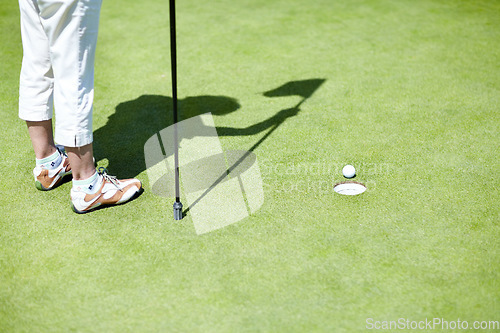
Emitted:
pixel 348 171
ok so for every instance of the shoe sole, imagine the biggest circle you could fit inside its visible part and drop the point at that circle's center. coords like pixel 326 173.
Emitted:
pixel 40 187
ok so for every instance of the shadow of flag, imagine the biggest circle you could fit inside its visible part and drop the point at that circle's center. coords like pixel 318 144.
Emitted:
pixel 303 88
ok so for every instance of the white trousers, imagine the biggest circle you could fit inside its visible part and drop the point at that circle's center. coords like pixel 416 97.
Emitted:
pixel 59 40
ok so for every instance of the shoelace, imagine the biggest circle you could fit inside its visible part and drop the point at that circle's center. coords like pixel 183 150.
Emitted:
pixel 112 179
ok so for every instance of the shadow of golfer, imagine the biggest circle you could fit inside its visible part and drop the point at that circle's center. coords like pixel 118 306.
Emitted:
pixel 121 141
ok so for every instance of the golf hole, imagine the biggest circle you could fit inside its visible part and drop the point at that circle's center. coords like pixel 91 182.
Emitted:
pixel 349 188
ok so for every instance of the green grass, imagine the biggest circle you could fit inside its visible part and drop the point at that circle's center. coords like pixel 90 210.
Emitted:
pixel 411 98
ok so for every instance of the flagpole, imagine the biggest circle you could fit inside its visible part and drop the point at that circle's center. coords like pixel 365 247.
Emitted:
pixel 173 62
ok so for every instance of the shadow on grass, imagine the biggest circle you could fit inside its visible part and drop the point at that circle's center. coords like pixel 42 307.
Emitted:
pixel 122 139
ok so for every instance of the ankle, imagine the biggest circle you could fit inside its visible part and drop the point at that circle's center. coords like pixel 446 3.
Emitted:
pixel 41 154
pixel 83 174
pixel 51 161
pixel 89 185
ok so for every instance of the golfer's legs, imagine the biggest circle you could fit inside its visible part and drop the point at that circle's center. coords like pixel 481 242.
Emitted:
pixel 36 80
pixel 71 27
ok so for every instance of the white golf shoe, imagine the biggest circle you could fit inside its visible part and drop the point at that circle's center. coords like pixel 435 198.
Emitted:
pixel 111 191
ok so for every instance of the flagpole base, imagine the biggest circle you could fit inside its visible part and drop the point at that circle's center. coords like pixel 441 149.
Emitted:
pixel 178 211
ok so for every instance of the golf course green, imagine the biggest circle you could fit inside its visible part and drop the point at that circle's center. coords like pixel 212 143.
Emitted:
pixel 408 92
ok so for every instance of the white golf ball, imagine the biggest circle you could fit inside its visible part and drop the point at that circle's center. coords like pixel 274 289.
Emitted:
pixel 348 171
